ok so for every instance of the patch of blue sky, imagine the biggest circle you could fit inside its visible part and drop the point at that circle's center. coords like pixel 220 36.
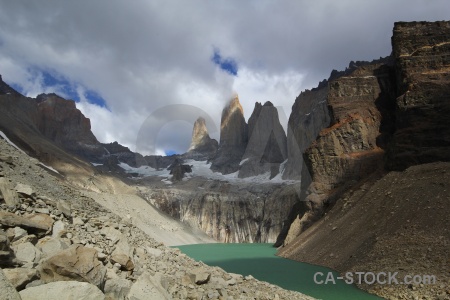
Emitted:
pixel 69 89
pixel 227 64
pixel 170 152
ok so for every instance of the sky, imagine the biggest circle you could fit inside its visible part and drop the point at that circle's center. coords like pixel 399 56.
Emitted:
pixel 143 71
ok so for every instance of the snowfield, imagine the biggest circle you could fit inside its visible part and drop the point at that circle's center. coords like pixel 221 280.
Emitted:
pixel 202 169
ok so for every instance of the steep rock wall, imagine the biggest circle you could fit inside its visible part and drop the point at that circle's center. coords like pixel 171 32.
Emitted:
pixel 391 113
pixel 253 213
pixel 308 117
pixel 233 138
pixel 266 148
pixel 422 61
pixel 360 106
pixel 60 121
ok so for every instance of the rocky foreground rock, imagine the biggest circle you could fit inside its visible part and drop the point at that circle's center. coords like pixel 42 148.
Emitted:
pixel 56 243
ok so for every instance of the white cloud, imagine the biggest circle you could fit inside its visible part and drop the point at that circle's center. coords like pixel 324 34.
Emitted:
pixel 142 55
pixel 261 86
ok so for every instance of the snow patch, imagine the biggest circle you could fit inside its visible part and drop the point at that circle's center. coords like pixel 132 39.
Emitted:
pixel 243 161
pixel 279 176
pixel 48 167
pixel 15 146
pixel 9 141
pixel 203 169
pixel 143 170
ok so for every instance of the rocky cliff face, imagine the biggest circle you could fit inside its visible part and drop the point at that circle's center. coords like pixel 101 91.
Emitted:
pixel 117 152
pixel 266 148
pixel 309 115
pixel 202 147
pixel 60 121
pixel 253 213
pixel 19 121
pixel 422 61
pixel 233 138
pixel 352 146
pixel 392 113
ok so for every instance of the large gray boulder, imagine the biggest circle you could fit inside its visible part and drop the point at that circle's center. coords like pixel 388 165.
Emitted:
pixel 72 290
pixel 50 246
pixel 117 288
pixel 123 255
pixel 25 190
pixel 8 193
pixel 27 253
pixel 148 287
pixel 20 277
pixel 75 263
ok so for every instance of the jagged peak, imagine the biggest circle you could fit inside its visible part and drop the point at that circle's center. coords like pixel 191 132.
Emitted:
pixel 199 133
pixel 232 106
pixel 51 98
pixel 200 129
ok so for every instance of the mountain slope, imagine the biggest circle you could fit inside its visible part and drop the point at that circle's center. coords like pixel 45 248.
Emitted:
pixel 398 223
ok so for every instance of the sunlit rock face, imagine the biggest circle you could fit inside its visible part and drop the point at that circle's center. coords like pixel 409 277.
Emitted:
pixel 266 148
pixel 202 147
pixel 233 138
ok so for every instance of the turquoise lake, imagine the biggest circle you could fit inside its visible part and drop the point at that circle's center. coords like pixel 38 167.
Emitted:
pixel 259 260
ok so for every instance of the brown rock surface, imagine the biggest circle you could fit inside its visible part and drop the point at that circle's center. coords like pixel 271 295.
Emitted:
pixel 19 121
pixel 396 223
pixel 32 223
pixel 75 263
pixel 352 147
pixel 123 254
pixel 8 292
pixel 422 60
pixel 20 277
pixel 8 193
pixel 65 125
